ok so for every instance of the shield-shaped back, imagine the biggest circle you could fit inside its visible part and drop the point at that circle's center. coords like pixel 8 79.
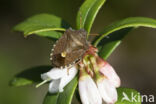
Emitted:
pixel 69 48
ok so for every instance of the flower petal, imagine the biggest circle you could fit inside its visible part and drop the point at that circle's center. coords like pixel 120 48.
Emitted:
pixel 54 73
pixel 110 73
pixel 69 75
pixel 54 86
pixel 88 91
pixel 107 91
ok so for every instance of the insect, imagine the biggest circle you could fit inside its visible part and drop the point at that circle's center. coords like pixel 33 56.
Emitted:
pixel 70 48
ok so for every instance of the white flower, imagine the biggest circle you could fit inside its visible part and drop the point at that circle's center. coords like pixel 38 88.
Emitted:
pixel 89 93
pixel 54 73
pixel 108 71
pixel 107 82
pixel 59 78
pixel 106 79
pixel 107 90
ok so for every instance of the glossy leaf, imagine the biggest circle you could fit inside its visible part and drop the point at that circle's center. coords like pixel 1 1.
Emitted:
pixel 125 23
pixel 92 14
pixel 128 96
pixel 62 98
pixel 87 14
pixel 83 12
pixel 108 44
pixel 29 76
pixel 66 96
pixel 43 25
pixel 50 34
pixel 113 34
pixel 51 98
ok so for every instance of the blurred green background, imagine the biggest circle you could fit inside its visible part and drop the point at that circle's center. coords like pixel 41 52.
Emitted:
pixel 134 60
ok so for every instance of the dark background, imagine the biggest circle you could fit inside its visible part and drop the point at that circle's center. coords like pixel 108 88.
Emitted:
pixel 134 60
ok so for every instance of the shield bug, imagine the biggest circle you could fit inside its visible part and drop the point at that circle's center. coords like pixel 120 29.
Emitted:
pixel 70 48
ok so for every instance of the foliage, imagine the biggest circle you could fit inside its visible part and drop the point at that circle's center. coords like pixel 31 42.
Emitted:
pixel 48 25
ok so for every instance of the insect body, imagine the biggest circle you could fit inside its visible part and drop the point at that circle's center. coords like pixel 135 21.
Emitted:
pixel 69 48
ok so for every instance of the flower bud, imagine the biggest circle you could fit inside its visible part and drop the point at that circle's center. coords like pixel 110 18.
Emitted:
pixel 107 90
pixel 107 70
pixel 89 93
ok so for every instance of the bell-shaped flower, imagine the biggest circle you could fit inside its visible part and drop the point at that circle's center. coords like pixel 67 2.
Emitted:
pixel 108 71
pixel 89 93
pixel 107 90
pixel 104 82
pixel 59 78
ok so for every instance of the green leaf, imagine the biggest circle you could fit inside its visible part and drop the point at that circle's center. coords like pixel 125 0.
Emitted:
pixel 113 34
pixel 65 97
pixel 92 14
pixel 129 22
pixel 29 76
pixel 133 97
pixel 83 12
pixel 108 45
pixel 51 98
pixel 42 25
pixel 87 14
pixel 50 34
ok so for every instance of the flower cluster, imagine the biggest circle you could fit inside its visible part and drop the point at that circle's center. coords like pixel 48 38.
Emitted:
pixel 97 79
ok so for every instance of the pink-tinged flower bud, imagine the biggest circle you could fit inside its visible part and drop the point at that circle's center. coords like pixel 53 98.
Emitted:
pixel 107 90
pixel 107 70
pixel 89 93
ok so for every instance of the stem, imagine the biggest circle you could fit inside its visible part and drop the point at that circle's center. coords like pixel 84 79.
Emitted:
pixel 43 82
